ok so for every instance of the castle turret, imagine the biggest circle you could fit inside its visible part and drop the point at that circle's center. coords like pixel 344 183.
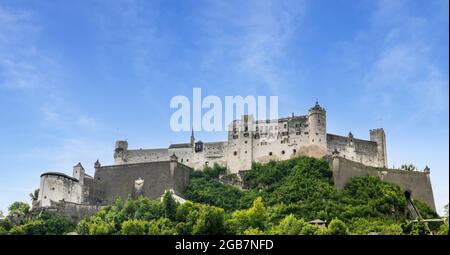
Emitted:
pixel 192 138
pixel 97 164
pixel 317 130
pixel 377 135
pixel 78 173
pixel 120 153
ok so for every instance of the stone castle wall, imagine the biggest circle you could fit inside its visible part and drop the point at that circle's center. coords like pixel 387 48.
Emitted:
pixel 418 184
pixel 141 179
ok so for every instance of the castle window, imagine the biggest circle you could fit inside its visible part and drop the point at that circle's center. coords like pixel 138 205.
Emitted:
pixel 294 151
pixel 298 133
pixel 285 126
pixel 235 136
pixel 270 153
pixel 256 128
pixel 181 160
pixel 53 188
pixel 246 128
pixel 318 120
pixel 313 140
pixel 45 197
pixel 235 153
pixel 245 142
pixel 187 160
pixel 245 152
pixel 282 152
pixel 69 191
pixel 206 163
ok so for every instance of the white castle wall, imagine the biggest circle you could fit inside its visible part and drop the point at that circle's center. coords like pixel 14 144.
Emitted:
pixel 262 141
pixel 56 187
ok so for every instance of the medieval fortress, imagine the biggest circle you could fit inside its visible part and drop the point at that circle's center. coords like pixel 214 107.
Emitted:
pixel 262 141
pixel 150 172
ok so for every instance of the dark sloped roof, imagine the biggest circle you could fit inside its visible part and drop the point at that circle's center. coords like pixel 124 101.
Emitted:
pixel 60 175
pixel 180 145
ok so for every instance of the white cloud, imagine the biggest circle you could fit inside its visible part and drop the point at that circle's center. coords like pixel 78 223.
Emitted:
pixel 396 57
pixel 253 36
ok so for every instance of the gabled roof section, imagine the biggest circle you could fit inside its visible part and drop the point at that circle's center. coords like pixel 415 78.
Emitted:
pixel 180 146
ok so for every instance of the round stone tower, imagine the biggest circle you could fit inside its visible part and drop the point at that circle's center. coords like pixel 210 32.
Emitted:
pixel 317 130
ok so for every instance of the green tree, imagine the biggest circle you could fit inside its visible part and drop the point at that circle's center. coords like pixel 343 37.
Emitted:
pixel 34 195
pixel 101 228
pixel 443 229
pixel 253 231
pixel 55 224
pixel 414 228
pixel 337 227
pixel 384 226
pixel 254 217
pixel 211 221
pixel 290 225
pixel 19 207
pixel 161 226
pixel 134 227
pixel 169 205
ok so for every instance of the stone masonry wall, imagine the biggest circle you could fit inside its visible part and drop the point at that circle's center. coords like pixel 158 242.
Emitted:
pixel 416 183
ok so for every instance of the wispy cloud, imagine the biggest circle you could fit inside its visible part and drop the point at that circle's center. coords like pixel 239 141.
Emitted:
pixel 254 37
pixel 35 72
pixel 396 56
pixel 17 67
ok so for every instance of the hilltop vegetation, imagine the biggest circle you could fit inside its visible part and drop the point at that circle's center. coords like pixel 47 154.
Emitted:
pixel 279 198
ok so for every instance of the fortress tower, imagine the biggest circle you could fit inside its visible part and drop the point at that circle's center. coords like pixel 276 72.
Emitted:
pixel 240 143
pixel 377 135
pixel 317 122
pixel 120 152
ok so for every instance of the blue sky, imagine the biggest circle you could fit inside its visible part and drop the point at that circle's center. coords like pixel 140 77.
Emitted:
pixel 77 76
